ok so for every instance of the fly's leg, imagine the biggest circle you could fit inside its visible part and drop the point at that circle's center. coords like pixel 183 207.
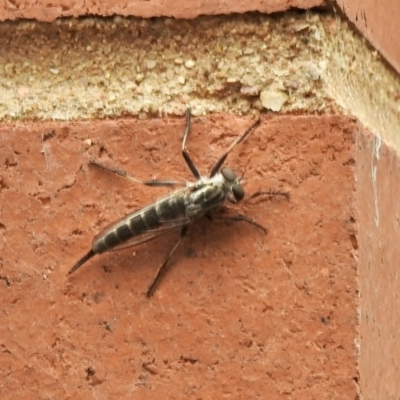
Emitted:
pixel 222 159
pixel 244 218
pixel 126 175
pixel 185 154
pixel 270 194
pixel 161 268
pixel 240 218
pixel 240 139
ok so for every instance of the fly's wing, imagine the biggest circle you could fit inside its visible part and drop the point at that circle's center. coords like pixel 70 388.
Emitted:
pixel 165 229
pixel 157 219
pixel 141 226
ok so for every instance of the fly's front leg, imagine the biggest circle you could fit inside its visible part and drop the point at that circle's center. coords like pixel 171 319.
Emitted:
pixel 185 154
pixel 222 159
pixel 243 218
pixel 269 194
pixel 161 268
pixel 240 139
pixel 240 218
pixel 126 175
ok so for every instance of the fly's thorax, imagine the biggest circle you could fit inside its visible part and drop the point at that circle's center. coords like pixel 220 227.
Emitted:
pixel 208 194
pixel 203 196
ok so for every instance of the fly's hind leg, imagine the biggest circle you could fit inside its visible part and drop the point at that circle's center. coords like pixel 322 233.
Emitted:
pixel 161 268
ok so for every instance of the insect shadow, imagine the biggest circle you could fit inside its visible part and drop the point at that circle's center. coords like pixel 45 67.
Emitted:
pixel 176 211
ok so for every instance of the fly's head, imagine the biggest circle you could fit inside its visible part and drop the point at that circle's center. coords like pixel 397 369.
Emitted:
pixel 233 188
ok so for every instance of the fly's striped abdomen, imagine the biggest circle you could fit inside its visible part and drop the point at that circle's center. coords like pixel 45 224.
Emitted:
pixel 151 218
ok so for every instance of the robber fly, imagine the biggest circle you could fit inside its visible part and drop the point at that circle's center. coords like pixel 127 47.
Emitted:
pixel 175 211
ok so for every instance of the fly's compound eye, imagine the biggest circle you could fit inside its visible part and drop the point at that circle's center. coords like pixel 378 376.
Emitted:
pixel 238 192
pixel 228 174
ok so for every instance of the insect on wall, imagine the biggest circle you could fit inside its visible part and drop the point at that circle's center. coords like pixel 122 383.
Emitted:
pixel 176 211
